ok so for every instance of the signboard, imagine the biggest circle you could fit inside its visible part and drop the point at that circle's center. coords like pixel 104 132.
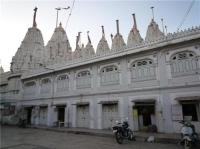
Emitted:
pixel 177 113
pixel 135 112
pixel 6 110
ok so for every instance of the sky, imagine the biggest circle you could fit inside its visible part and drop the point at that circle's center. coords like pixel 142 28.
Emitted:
pixel 17 16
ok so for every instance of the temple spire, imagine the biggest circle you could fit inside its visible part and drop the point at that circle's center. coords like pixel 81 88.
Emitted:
pixel 117 22
pixel 88 37
pixel 135 24
pixel 152 14
pixel 34 17
pixel 103 33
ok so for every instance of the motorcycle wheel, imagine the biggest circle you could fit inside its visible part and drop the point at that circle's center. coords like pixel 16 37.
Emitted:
pixel 130 135
pixel 119 138
pixel 188 146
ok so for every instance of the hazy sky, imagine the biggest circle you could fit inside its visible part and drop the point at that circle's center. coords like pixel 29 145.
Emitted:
pixel 17 17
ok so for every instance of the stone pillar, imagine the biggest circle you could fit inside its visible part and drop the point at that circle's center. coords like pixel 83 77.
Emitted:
pixel 124 72
pixel 162 72
pixel 50 115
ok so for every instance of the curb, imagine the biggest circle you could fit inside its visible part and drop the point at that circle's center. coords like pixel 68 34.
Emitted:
pixel 135 138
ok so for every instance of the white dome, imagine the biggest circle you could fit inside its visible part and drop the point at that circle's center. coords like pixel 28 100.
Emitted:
pixel 153 31
pixel 58 45
pixel 118 42
pixel 134 37
pixel 30 53
pixel 77 53
pixel 102 46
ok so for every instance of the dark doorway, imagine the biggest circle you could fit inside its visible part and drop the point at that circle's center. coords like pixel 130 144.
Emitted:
pixel 29 113
pixel 190 110
pixel 146 112
pixel 61 114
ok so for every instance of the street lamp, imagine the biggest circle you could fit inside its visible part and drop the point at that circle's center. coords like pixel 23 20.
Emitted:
pixel 59 8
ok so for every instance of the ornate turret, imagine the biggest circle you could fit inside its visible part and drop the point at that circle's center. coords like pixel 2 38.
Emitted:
pixel 58 45
pixel 134 35
pixel 118 41
pixel 103 44
pixel 153 30
pixel 30 53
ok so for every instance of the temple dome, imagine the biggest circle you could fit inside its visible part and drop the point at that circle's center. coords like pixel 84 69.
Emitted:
pixel 89 50
pixel 153 31
pixel 30 53
pixel 118 42
pixel 58 45
pixel 102 46
pixel 77 53
pixel 134 37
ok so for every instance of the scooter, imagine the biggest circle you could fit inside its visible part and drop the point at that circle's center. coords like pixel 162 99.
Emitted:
pixel 188 135
pixel 22 123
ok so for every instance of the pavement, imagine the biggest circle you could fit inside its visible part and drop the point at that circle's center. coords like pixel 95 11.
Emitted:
pixel 138 136
pixel 13 137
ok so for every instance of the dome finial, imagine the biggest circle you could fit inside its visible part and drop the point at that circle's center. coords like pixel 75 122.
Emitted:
pixel 60 24
pixel 152 14
pixel 163 26
pixel 117 21
pixel 89 41
pixel 34 17
pixel 103 33
pixel 135 24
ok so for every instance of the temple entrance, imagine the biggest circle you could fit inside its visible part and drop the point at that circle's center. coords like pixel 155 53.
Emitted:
pixel 144 115
pixel 29 114
pixel 61 113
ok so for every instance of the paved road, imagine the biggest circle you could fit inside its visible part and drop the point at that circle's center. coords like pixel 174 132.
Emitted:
pixel 18 138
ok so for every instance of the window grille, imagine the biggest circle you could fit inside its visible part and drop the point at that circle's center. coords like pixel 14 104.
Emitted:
pixel 29 87
pixel 183 63
pixel 142 70
pixel 109 75
pixel 63 82
pixel 46 85
pixel 83 80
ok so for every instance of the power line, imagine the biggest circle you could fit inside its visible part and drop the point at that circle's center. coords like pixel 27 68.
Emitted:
pixel 167 47
pixel 183 20
pixel 70 14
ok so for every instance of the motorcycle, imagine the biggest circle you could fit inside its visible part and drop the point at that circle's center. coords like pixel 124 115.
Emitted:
pixel 122 131
pixel 188 135
pixel 22 123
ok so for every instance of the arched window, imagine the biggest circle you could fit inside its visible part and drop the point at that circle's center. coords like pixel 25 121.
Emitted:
pixel 63 82
pixel 110 75
pixel 46 85
pixel 142 70
pixel 183 63
pixel 83 79
pixel 29 87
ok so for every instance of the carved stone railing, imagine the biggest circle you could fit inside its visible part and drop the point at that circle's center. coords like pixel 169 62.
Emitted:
pixel 136 47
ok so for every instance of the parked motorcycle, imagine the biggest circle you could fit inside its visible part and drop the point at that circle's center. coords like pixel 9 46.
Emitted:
pixel 22 123
pixel 122 131
pixel 188 135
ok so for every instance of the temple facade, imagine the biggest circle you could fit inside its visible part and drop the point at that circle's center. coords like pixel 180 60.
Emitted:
pixel 152 81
